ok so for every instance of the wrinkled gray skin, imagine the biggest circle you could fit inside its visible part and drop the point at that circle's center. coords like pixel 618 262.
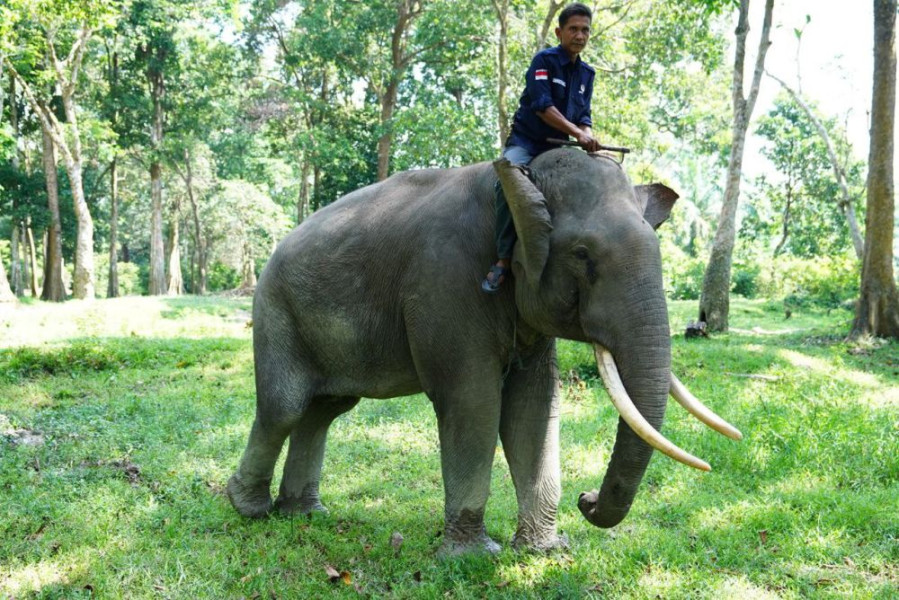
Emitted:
pixel 378 295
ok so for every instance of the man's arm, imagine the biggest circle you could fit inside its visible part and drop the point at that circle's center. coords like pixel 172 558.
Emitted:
pixel 583 134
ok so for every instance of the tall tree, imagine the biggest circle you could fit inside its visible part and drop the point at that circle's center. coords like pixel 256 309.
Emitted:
pixel 62 25
pixel 6 294
pixel 54 289
pixel 877 311
pixel 714 303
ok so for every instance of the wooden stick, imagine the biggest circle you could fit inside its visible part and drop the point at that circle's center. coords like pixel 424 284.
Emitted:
pixel 559 142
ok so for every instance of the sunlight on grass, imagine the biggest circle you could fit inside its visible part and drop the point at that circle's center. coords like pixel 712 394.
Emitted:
pixel 29 578
pixel 660 583
pixel 740 587
pixel 825 368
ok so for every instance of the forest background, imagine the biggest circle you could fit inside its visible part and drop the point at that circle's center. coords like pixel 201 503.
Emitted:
pixel 164 147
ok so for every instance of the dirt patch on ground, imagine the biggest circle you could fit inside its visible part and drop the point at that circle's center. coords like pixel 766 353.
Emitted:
pixel 18 436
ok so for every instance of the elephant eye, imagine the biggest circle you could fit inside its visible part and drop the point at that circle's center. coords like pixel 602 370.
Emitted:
pixel 580 253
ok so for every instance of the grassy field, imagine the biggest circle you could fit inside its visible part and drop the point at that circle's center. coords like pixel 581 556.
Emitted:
pixel 121 420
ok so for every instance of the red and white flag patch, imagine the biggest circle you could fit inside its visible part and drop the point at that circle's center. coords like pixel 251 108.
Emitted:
pixel 541 74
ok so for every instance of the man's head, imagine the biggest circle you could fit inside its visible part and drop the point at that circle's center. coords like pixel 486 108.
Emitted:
pixel 574 28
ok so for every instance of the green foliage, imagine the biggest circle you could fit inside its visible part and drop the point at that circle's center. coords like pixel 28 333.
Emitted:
pixel 223 277
pixel 682 273
pixel 113 479
pixel 805 195
pixel 128 274
pixel 822 281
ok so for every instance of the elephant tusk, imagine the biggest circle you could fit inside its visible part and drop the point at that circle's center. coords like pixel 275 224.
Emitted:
pixel 699 410
pixel 625 407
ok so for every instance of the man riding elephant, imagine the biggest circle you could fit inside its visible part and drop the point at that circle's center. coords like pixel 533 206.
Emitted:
pixel 555 103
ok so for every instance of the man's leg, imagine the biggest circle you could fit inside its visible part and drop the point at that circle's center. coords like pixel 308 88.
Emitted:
pixel 505 228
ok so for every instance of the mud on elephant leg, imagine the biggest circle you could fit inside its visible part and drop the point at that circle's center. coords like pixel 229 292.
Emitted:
pixel 298 493
pixel 529 429
pixel 468 422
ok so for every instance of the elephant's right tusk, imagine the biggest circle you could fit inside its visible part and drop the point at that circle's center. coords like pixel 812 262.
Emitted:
pixel 699 410
pixel 625 407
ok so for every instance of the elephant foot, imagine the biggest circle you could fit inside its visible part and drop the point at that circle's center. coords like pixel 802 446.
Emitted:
pixel 304 504
pixel 252 501
pixel 466 534
pixel 452 548
pixel 545 544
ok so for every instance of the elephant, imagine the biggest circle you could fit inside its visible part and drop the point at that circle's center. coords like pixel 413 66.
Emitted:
pixel 378 295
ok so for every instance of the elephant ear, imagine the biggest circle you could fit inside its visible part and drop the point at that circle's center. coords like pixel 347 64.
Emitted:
pixel 531 216
pixel 656 201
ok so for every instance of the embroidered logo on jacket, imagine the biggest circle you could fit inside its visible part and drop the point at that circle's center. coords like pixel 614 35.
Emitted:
pixel 583 87
pixel 541 74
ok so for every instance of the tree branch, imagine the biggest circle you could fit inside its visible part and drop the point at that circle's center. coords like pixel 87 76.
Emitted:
pixel 764 44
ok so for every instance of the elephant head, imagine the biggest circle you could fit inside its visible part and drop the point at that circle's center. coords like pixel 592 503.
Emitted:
pixel 588 267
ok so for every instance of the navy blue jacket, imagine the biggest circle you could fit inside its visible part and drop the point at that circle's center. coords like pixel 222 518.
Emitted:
pixel 552 80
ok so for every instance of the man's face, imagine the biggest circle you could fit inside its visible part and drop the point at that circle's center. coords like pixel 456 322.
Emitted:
pixel 574 34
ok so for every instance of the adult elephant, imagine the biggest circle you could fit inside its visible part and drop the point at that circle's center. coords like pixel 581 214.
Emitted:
pixel 378 295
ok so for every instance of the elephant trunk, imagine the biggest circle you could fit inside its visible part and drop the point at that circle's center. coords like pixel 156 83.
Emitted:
pixel 640 396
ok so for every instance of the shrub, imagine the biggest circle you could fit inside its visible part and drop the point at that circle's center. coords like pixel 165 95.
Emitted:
pixel 821 281
pixel 683 273
pixel 129 277
pixel 223 277
pixel 745 280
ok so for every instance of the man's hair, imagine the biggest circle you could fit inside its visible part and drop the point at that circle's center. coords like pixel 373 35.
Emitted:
pixel 572 10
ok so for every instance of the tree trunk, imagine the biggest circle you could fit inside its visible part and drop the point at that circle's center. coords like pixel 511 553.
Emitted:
pixel 501 7
pixel 176 279
pixel 249 268
pixel 303 200
pixel 32 258
pixel 83 280
pixel 845 203
pixel 16 266
pixel 714 303
pixel 6 294
pixel 112 287
pixel 53 288
pixel 543 32
pixel 157 249
pixel 877 311
pixel 406 13
pixel 199 240
pixel 385 142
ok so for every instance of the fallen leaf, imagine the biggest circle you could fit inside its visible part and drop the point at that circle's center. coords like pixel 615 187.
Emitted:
pixel 346 577
pixel 417 576
pixel 333 574
pixel 763 535
pixel 502 584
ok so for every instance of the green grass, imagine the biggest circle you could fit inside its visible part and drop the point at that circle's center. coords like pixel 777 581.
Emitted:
pixel 121 420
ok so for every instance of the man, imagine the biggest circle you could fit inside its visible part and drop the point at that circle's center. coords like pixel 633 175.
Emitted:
pixel 555 104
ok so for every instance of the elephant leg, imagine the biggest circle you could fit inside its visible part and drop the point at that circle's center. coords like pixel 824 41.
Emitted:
pixel 468 423
pixel 302 471
pixel 282 395
pixel 529 430
pixel 249 488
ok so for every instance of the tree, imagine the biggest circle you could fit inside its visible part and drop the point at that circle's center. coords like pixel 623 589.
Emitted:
pixel 714 303
pixel 877 311
pixel 812 223
pixel 61 25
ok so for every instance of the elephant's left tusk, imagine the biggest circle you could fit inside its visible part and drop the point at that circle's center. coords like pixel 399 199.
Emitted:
pixel 625 407
pixel 699 410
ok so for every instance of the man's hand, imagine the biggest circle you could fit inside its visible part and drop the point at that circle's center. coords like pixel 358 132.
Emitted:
pixel 586 141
